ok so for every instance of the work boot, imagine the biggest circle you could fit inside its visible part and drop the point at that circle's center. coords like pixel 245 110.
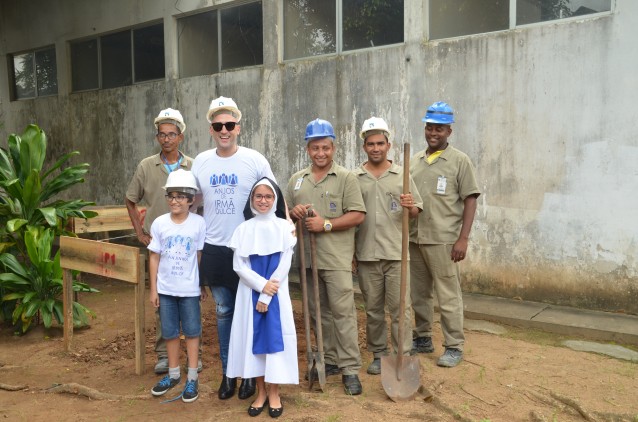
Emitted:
pixel 330 370
pixel 227 388
pixel 375 367
pixel 351 384
pixel 161 367
pixel 246 388
pixel 450 358
pixel 422 345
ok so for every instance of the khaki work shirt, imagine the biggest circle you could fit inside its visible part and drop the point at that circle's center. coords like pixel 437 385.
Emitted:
pixel 379 236
pixel 443 185
pixel 334 195
pixel 146 186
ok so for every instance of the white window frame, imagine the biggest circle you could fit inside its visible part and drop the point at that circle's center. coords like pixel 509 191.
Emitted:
pixel 338 35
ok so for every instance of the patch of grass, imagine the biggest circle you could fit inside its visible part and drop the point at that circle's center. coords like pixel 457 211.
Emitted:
pixel 628 369
pixel 535 336
pixel 333 418
pixel 545 338
pixel 481 375
pixel 301 401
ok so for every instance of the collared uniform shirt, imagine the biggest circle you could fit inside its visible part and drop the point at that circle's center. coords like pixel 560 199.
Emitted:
pixel 331 197
pixel 444 184
pixel 146 186
pixel 379 236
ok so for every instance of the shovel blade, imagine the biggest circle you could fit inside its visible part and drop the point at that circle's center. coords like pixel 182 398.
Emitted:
pixel 312 374
pixel 317 371
pixel 400 381
pixel 321 371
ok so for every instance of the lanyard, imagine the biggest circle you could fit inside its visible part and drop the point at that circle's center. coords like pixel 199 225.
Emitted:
pixel 171 167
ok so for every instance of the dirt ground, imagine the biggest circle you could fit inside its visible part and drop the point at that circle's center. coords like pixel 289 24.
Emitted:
pixel 519 376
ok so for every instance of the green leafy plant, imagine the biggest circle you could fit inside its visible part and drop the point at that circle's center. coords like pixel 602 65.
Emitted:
pixel 30 220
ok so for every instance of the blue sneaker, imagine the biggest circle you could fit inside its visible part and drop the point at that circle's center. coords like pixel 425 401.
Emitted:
pixel 450 358
pixel 190 393
pixel 164 385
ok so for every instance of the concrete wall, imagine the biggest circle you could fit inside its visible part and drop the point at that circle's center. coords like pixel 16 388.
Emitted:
pixel 545 112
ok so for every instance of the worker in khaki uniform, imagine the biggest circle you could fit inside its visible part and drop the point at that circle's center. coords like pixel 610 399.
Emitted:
pixel 328 198
pixel 378 240
pixel 438 241
pixel 146 187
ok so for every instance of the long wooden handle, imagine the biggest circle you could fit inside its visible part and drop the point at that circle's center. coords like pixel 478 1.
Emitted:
pixel 404 257
pixel 304 286
pixel 315 285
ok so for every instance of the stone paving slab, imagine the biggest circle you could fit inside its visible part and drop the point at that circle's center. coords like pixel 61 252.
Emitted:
pixel 594 325
pixel 612 350
pixel 498 309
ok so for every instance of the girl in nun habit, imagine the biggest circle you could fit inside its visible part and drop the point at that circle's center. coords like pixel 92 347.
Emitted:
pixel 263 341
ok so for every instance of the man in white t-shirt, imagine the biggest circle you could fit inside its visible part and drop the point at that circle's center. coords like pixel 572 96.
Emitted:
pixel 225 175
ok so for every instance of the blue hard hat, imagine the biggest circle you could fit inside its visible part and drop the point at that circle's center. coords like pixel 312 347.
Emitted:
pixel 440 113
pixel 319 128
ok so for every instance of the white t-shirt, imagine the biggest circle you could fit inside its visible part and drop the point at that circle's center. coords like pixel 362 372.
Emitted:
pixel 177 244
pixel 225 183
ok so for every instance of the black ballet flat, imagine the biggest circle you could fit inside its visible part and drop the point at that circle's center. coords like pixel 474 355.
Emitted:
pixel 256 411
pixel 276 412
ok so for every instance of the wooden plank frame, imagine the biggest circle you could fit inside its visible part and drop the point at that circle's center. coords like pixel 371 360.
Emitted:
pixel 109 218
pixel 124 263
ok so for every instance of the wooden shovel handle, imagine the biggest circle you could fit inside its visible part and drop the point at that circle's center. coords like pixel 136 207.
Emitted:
pixel 404 257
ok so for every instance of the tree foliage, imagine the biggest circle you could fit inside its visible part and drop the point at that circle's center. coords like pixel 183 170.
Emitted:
pixel 30 219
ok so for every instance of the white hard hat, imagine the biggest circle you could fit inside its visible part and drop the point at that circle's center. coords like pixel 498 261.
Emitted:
pixel 374 123
pixel 222 103
pixel 181 180
pixel 170 116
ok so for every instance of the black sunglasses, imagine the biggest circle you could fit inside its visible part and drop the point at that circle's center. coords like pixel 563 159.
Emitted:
pixel 217 127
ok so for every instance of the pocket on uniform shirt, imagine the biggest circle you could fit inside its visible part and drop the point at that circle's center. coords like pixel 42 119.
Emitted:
pixel 334 207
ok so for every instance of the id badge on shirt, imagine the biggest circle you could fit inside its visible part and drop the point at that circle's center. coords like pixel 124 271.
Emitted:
pixel 441 184
pixel 298 183
pixel 394 204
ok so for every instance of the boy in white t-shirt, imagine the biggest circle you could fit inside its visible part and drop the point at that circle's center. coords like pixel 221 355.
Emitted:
pixel 177 239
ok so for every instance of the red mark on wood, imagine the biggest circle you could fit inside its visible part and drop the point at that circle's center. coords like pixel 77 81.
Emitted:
pixel 108 257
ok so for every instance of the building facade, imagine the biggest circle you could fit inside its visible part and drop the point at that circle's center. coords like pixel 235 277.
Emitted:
pixel 542 91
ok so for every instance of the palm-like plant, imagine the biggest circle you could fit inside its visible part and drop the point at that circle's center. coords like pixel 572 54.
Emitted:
pixel 30 219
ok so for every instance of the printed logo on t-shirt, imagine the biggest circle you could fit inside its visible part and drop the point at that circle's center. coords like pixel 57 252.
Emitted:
pixel 224 186
pixel 178 249
pixel 224 180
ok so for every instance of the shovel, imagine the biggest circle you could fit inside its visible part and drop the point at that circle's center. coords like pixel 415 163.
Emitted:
pixel 315 359
pixel 400 375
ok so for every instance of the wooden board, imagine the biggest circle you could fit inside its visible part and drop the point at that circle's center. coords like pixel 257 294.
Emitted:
pixel 109 218
pixel 106 259
pixel 124 263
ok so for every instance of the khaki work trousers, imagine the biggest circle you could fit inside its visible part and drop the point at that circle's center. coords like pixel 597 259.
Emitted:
pixel 433 271
pixel 338 319
pixel 380 283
